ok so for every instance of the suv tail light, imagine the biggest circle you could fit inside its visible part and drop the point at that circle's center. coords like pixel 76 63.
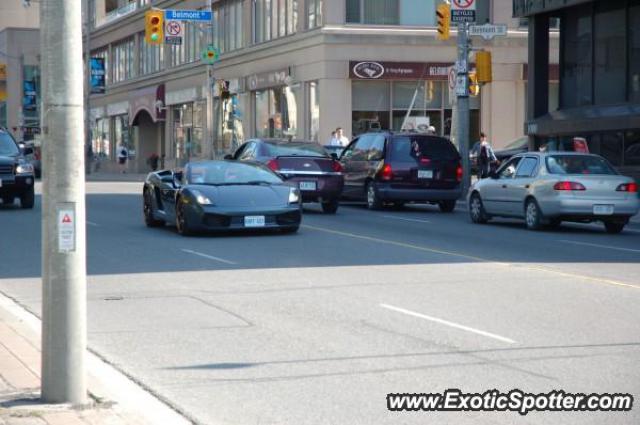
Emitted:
pixel 386 173
pixel 628 187
pixel 424 160
pixel 337 167
pixel 273 164
pixel 459 173
pixel 568 186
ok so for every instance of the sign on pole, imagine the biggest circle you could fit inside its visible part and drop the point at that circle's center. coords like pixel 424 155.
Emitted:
pixel 488 31
pixel 463 11
pixel 210 55
pixel 451 77
pixel 187 15
pixel 173 31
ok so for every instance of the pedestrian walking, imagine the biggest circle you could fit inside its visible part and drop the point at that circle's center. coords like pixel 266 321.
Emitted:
pixel 339 139
pixel 487 160
pixel 123 155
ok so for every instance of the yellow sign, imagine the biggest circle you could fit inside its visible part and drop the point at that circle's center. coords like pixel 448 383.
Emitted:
pixel 3 71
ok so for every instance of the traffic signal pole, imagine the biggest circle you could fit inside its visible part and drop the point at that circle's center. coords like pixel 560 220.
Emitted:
pixel 462 105
pixel 64 305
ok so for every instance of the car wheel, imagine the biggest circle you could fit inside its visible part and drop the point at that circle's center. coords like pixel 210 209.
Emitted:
pixel 330 207
pixel 533 215
pixel 8 200
pixel 373 201
pixel 182 223
pixel 476 210
pixel 27 199
pixel 614 227
pixel 147 210
pixel 447 206
pixel 554 223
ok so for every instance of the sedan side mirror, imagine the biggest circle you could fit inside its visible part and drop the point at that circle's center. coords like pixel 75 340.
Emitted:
pixel 228 156
pixel 493 175
pixel 334 155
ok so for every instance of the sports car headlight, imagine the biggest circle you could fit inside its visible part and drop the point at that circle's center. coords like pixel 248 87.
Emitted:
pixel 294 196
pixel 202 199
pixel 24 169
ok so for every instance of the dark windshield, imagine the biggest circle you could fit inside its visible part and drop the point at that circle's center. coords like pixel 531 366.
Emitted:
pixel 228 172
pixel 578 164
pixel 7 146
pixel 295 149
pixel 410 148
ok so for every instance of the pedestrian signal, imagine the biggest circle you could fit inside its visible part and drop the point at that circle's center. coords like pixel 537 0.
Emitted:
pixel 154 27
pixel 443 16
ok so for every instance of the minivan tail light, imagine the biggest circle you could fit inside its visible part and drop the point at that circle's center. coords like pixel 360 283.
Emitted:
pixel 459 173
pixel 425 160
pixel 337 167
pixel 386 173
pixel 273 164
pixel 569 186
pixel 628 187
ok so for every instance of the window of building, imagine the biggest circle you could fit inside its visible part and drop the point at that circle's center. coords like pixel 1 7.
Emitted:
pixel 273 19
pixel 577 71
pixel 392 12
pixel 314 111
pixel 104 54
pixel 276 112
pixel 189 50
pixel 314 13
pixel 633 86
pixel 370 106
pixel 123 60
pixel 610 58
pixel 151 57
pixel 121 133
pixel 188 132
pixel 228 26
pixel 101 139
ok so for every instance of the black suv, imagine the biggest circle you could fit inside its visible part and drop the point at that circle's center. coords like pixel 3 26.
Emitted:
pixel 389 167
pixel 16 173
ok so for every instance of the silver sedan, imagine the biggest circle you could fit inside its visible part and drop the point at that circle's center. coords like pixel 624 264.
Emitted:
pixel 548 188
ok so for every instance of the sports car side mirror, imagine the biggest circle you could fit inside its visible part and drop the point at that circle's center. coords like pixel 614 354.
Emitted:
pixel 228 156
pixel 177 178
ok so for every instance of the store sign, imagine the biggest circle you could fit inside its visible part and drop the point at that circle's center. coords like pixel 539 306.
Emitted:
pixel 268 79
pixel 97 79
pixel 369 70
pixel 151 100
pixel 29 95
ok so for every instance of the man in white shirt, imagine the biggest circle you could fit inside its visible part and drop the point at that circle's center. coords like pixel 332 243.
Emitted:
pixel 339 139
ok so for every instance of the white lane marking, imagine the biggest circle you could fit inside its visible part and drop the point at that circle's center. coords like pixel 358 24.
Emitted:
pixel 91 223
pixel 210 257
pixel 616 248
pixel 415 220
pixel 447 323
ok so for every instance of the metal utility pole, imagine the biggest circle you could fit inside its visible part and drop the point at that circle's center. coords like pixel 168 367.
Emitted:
pixel 63 211
pixel 462 106
pixel 211 121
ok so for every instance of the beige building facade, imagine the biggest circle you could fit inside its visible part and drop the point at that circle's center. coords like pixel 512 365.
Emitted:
pixel 291 68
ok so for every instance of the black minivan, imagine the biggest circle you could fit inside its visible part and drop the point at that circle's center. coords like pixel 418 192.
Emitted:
pixel 401 167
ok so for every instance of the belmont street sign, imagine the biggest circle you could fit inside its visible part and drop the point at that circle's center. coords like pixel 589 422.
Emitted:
pixel 488 31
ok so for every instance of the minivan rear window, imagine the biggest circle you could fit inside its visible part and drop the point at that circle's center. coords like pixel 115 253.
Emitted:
pixel 411 148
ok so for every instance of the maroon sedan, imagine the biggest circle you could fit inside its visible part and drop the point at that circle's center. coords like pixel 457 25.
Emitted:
pixel 317 173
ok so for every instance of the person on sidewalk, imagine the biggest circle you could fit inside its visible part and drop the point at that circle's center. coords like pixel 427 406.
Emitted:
pixel 487 160
pixel 123 155
pixel 339 139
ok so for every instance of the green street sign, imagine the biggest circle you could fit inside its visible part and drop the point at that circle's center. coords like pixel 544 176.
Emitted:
pixel 210 55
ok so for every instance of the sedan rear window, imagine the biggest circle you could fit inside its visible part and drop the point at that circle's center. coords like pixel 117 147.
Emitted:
pixel 295 149
pixel 410 148
pixel 7 146
pixel 578 164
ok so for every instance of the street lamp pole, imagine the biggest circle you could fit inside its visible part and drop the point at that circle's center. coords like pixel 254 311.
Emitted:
pixel 64 305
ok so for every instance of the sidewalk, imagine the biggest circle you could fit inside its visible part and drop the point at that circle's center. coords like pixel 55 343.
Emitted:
pixel 114 400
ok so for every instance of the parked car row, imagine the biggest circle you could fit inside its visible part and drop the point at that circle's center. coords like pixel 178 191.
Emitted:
pixel 264 183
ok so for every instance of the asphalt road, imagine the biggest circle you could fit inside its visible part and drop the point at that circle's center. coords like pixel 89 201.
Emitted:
pixel 318 327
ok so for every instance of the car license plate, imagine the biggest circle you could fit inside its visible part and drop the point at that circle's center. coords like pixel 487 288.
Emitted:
pixel 307 185
pixel 254 221
pixel 603 209
pixel 425 174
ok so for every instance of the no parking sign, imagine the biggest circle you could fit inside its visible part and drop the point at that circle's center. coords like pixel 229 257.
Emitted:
pixel 463 11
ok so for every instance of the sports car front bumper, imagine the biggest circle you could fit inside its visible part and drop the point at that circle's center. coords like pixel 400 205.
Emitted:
pixel 212 218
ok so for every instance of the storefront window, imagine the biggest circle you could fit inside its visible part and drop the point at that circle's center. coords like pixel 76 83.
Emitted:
pixel 314 111
pixel 121 133
pixel 276 112
pixel 370 106
pixel 188 133
pixel 577 67
pixel 632 147
pixel 101 141
pixel 610 58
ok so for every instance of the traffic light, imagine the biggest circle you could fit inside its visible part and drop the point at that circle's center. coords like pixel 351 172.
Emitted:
pixel 474 87
pixel 154 27
pixel 443 15
pixel 483 66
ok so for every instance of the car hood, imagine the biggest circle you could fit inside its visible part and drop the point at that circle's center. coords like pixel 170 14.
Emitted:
pixel 8 160
pixel 246 196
